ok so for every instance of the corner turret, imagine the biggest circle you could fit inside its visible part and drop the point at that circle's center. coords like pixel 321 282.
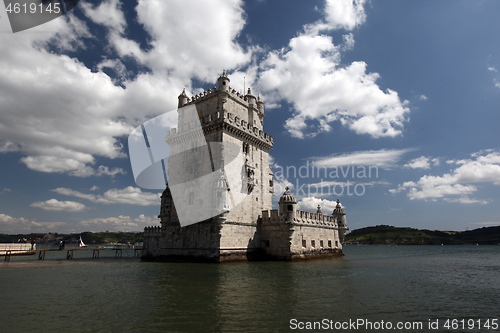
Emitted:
pixel 183 99
pixel 252 101
pixel 252 109
pixel 339 213
pixel 260 106
pixel 287 205
pixel 223 82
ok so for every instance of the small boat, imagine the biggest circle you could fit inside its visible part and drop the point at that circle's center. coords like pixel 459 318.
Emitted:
pixel 81 243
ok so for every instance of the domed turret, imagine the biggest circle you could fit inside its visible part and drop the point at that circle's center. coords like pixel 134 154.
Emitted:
pixel 252 101
pixel 287 197
pixel 223 81
pixel 338 209
pixel 260 106
pixel 287 205
pixel 339 213
pixel 183 99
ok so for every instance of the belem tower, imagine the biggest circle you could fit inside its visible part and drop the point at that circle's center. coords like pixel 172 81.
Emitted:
pixel 217 205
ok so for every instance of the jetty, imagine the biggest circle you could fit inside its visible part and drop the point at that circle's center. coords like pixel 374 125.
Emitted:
pixel 16 249
pixel 96 252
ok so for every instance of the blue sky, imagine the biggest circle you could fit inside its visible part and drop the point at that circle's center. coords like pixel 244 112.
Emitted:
pixel 408 90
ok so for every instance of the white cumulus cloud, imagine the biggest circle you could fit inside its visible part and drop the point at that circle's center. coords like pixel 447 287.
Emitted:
pixel 108 13
pixel 460 183
pixel 346 14
pixel 14 225
pixel 63 116
pixel 309 75
pixel 129 195
pixel 55 110
pixel 119 223
pixel 195 40
pixel 310 204
pixel 422 162
pixel 384 158
pixel 59 206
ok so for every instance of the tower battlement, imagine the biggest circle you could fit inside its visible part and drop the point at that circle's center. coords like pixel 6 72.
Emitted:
pixel 318 219
pixel 228 118
pixel 301 218
pixel 248 100
pixel 232 93
pixel 152 231
pixel 223 108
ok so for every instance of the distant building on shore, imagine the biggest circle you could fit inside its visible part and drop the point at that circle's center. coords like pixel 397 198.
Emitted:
pixel 218 203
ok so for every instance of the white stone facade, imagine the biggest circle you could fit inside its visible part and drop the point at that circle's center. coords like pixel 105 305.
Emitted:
pixel 222 186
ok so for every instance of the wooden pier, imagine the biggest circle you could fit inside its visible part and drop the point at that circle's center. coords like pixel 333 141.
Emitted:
pixel 24 249
pixel 16 249
pixel 96 252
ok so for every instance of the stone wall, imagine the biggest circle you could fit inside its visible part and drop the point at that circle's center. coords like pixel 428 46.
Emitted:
pixel 239 241
pixel 151 247
pixel 196 242
pixel 299 234
pixel 314 240
pixel 254 189
pixel 275 233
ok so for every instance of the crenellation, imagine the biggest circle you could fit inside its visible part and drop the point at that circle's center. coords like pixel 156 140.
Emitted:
pixel 315 219
pixel 152 231
pixel 248 101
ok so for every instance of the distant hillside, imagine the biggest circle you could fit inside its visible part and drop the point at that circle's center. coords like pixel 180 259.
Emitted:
pixel 386 235
pixel 88 237
pixel 378 235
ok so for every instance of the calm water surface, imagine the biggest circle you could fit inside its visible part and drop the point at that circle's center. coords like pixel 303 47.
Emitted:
pixel 390 283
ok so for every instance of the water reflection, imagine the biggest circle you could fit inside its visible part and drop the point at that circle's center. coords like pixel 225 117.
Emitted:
pixel 376 283
pixel 243 297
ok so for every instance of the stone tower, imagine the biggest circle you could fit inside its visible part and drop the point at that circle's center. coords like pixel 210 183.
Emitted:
pixel 218 171
pixel 218 200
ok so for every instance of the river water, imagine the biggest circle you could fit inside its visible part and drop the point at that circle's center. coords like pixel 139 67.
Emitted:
pixel 430 285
